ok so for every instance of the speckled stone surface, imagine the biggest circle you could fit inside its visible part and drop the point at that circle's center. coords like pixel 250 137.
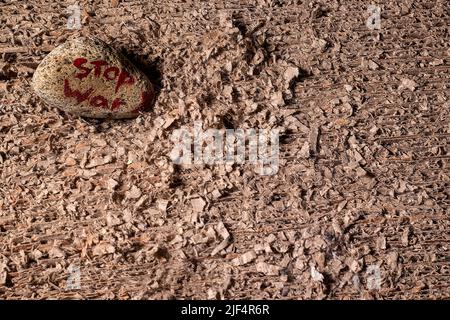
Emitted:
pixel 86 77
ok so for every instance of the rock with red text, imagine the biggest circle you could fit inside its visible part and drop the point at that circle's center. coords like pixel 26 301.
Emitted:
pixel 86 77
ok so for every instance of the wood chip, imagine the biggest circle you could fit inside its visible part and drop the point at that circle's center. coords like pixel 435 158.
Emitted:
pixel 102 249
pixel 198 204
pixel 268 269
pixel 245 258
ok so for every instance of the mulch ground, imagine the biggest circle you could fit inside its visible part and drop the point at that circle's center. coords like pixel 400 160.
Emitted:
pixel 363 183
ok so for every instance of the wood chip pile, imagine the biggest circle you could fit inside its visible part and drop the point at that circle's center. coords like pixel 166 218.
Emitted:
pixel 358 209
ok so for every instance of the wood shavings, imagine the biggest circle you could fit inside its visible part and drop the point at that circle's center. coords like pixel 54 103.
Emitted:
pixel 291 73
pixel 102 249
pixel 362 177
pixel 268 269
pixel 133 193
pixel 223 232
pixel 277 99
pixel 245 258
pixel 111 184
pixel 407 84
pixel 56 252
pixel 313 139
pixel 3 274
pixel 304 151
pixel 198 204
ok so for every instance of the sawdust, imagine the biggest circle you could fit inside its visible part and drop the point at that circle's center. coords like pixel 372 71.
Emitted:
pixel 363 180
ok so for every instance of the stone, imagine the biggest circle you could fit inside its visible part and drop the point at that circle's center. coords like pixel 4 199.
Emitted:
pixel 88 78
